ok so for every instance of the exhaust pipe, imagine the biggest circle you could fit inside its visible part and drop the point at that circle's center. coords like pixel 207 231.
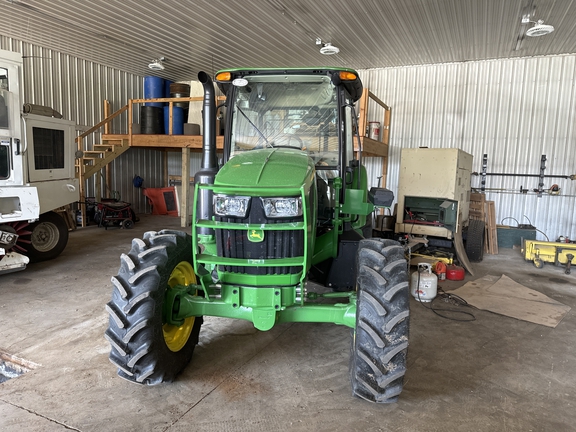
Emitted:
pixel 209 166
pixel 209 159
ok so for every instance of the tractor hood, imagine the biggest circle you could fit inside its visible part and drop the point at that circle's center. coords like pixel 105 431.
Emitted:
pixel 280 167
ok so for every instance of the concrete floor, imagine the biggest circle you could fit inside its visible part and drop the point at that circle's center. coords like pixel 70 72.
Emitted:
pixel 493 374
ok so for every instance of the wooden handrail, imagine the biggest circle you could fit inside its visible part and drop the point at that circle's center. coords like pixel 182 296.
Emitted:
pixel 130 114
pixel 137 101
pixel 378 101
pixel 102 123
pixel 179 99
pixel 363 120
pixel 106 114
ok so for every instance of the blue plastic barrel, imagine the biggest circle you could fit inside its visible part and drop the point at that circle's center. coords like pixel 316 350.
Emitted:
pixel 167 88
pixel 177 120
pixel 153 88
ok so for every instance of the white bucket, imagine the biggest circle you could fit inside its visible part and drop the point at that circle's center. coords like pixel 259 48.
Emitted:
pixel 424 283
pixel 374 130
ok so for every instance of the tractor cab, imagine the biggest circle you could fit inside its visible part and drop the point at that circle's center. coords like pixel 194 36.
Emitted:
pixel 300 109
pixel 281 113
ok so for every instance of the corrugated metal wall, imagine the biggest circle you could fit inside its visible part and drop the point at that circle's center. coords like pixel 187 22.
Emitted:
pixel 512 110
pixel 143 162
pixel 175 163
pixel 77 88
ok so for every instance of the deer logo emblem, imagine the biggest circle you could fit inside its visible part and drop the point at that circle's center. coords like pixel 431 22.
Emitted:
pixel 256 236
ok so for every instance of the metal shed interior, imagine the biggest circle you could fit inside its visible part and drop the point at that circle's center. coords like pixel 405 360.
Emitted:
pixel 456 73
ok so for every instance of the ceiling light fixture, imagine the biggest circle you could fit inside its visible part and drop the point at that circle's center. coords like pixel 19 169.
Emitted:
pixel 157 64
pixel 539 29
pixel 329 49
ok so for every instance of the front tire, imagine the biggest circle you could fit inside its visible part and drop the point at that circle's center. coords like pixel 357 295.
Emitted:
pixel 48 238
pixel 145 349
pixel 380 340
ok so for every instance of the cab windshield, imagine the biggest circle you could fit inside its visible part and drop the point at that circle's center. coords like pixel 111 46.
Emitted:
pixel 300 112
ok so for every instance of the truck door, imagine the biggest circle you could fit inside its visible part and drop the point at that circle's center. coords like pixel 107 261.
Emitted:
pixel 10 133
pixel 18 201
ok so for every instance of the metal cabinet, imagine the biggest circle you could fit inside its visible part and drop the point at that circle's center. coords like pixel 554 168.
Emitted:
pixel 434 191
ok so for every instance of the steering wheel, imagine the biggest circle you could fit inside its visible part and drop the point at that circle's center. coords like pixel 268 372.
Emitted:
pixel 287 138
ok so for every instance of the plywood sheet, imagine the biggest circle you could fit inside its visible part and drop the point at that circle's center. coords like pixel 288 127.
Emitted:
pixel 507 297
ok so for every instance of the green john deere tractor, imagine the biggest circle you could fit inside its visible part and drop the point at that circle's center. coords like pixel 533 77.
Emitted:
pixel 287 204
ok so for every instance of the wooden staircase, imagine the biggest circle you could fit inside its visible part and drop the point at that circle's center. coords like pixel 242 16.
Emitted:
pixel 92 161
pixel 101 155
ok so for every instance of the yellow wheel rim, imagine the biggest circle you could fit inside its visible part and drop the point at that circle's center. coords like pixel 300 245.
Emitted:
pixel 176 337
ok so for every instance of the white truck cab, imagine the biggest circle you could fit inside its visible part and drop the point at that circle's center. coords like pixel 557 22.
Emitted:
pixel 37 173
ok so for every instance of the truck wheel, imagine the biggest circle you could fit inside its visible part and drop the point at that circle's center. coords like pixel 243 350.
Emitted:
pixel 48 238
pixel 475 240
pixel 380 340
pixel 145 349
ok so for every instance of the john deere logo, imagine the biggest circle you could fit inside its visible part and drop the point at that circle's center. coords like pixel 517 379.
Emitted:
pixel 256 236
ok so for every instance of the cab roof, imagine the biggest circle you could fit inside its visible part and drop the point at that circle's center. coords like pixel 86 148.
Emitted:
pixel 354 87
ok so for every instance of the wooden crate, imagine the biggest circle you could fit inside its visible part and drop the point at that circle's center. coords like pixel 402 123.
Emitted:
pixel 477 206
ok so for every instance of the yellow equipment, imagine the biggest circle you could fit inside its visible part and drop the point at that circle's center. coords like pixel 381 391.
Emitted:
pixel 434 258
pixel 558 253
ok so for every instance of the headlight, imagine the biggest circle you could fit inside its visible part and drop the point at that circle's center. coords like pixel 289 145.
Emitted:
pixel 228 205
pixel 282 207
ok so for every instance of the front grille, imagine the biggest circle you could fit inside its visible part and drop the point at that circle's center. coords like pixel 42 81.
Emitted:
pixel 276 244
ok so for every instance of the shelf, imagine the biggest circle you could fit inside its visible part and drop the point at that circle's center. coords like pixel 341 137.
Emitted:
pixel 193 142
pixel 371 147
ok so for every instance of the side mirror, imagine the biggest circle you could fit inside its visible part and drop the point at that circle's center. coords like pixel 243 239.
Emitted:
pixel 381 197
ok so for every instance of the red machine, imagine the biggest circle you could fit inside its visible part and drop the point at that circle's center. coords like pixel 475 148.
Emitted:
pixel 114 212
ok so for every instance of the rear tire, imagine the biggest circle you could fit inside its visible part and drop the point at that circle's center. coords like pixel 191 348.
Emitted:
pixel 475 240
pixel 380 340
pixel 48 238
pixel 144 348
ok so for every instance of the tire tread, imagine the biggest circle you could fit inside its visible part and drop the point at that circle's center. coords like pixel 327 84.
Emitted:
pixel 137 346
pixel 475 240
pixel 380 340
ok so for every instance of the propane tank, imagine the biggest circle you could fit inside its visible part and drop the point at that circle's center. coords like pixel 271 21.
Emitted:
pixel 424 283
